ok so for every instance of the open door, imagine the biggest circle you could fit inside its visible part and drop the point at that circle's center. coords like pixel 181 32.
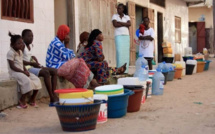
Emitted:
pixel 149 13
pixel 132 31
pixel 201 39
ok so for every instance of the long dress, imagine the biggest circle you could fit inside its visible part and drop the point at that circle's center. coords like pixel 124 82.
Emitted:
pixel 99 68
pixel 73 69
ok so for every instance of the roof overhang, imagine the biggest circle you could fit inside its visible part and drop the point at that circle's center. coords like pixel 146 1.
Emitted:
pixel 198 3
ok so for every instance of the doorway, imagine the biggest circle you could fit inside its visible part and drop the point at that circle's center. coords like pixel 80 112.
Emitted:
pixel 160 36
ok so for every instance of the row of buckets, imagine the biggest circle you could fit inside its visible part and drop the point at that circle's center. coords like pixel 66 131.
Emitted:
pixel 84 117
pixel 187 67
pixel 114 101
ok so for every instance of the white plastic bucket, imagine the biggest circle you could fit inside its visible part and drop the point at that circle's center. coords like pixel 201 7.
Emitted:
pixel 102 118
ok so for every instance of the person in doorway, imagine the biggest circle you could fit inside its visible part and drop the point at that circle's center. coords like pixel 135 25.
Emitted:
pixel 95 59
pixel 60 57
pixel 146 47
pixel 27 81
pixel 121 22
pixel 33 66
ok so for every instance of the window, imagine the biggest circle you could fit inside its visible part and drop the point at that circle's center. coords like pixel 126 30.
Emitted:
pixel 17 10
pixel 158 2
pixel 177 29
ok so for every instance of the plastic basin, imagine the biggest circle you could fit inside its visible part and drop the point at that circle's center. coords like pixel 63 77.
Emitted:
pixel 170 76
pixel 178 73
pixel 185 58
pixel 200 66
pixel 207 65
pixel 134 101
pixel 168 59
pixel 76 118
pixel 117 104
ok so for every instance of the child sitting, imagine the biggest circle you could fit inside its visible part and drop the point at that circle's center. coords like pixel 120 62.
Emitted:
pixel 26 80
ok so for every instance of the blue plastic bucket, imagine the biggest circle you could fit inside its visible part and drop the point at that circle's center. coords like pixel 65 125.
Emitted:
pixel 117 104
pixel 207 65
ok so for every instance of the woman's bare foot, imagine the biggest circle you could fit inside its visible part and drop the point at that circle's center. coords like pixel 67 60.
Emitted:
pixel 122 69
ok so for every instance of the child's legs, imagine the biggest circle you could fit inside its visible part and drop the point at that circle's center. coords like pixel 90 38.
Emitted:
pixel 33 97
pixel 24 84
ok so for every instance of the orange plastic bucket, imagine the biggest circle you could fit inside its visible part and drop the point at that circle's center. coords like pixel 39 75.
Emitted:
pixel 200 66
pixel 178 73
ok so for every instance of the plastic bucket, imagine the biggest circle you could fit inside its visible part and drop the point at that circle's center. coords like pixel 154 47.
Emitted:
pixel 76 118
pixel 102 118
pixel 207 64
pixel 168 59
pixel 200 66
pixel 178 73
pixel 170 76
pixel 165 75
pixel 117 104
pixel 134 101
pixel 185 58
pixel 189 69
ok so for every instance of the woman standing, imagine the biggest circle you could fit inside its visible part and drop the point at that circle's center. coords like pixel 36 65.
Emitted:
pixel 121 22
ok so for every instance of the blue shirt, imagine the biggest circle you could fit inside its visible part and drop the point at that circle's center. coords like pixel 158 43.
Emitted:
pixel 58 54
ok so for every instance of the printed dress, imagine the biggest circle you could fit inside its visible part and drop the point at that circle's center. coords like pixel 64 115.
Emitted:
pixel 99 68
pixel 73 69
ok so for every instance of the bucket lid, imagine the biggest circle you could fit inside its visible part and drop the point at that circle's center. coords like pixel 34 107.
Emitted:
pixel 75 90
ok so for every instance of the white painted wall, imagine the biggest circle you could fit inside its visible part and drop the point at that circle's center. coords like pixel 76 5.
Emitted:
pixel 43 29
pixel 176 8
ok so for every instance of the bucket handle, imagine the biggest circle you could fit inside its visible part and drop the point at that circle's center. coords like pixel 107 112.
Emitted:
pixel 130 93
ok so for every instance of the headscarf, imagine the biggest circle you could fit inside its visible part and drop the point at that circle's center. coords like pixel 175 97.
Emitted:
pixel 84 37
pixel 92 37
pixel 63 31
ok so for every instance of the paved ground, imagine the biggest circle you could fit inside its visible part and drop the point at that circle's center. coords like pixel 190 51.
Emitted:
pixel 176 112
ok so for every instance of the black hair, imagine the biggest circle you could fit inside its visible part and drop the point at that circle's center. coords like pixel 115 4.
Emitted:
pixel 92 37
pixel 125 11
pixel 13 38
pixel 145 18
pixel 24 32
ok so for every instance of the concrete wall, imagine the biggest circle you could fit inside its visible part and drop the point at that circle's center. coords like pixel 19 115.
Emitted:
pixel 60 12
pixel 196 12
pixel 9 96
pixel 43 29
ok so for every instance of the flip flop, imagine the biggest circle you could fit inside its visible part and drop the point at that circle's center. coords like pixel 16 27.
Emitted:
pixel 20 106
pixel 33 105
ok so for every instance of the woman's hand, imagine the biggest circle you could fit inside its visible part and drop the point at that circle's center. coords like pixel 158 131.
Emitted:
pixel 26 73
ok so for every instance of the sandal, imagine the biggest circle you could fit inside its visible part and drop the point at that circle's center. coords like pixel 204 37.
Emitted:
pixel 33 105
pixel 21 106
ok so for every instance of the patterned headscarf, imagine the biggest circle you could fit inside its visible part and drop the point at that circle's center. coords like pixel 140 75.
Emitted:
pixel 63 31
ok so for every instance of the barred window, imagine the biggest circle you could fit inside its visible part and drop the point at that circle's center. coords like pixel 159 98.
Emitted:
pixel 158 2
pixel 17 10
